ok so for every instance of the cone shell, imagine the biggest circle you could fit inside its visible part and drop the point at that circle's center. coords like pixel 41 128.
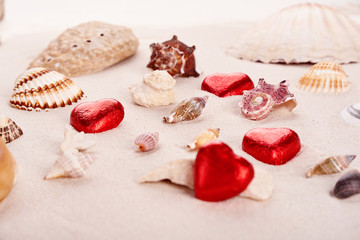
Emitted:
pixel 41 89
pixel 348 185
pixel 331 165
pixel 186 110
pixel 302 33
pixel 147 141
pixel 204 137
pixel 351 114
pixel 9 131
pixel 325 77
pixel 8 170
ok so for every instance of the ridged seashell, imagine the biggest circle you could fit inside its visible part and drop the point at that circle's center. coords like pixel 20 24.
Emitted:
pixel 259 101
pixel 41 89
pixel 187 109
pixel 331 165
pixel 174 57
pixel 204 137
pixel 157 89
pixel 302 33
pixel 9 130
pixel 325 77
pixel 147 141
pixel 351 114
pixel 87 48
pixel 348 185
pixel 8 170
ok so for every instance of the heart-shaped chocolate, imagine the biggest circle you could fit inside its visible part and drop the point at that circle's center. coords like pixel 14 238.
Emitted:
pixel 99 116
pixel 227 84
pixel 219 173
pixel 274 146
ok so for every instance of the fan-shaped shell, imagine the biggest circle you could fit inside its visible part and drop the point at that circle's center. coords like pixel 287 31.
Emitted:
pixel 348 185
pixel 325 77
pixel 41 89
pixel 351 114
pixel 307 32
pixel 331 165
pixel 147 141
pixel 204 137
pixel 186 110
pixel 9 130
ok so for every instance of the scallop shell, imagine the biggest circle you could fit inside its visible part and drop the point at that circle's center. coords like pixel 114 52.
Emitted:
pixel 8 170
pixel 204 137
pixel 147 141
pixel 302 33
pixel 41 89
pixel 174 57
pixel 325 77
pixel 348 185
pixel 351 114
pixel 9 130
pixel 186 110
pixel 331 165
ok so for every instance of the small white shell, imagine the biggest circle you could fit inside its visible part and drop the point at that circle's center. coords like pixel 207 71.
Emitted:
pixel 147 141
pixel 9 130
pixel 351 114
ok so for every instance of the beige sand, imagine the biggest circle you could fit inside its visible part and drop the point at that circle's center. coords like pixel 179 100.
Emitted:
pixel 108 203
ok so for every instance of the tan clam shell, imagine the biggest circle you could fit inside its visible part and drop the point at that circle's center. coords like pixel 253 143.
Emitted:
pixel 41 89
pixel 9 130
pixel 325 77
pixel 8 170
pixel 204 137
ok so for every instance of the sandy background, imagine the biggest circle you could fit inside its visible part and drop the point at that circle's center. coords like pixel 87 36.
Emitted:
pixel 108 203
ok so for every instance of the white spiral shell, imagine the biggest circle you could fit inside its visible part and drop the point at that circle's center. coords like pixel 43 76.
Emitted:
pixel 147 141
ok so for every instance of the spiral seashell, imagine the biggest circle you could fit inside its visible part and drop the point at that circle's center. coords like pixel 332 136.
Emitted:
pixel 256 105
pixel 8 170
pixel 348 185
pixel 9 130
pixel 147 141
pixel 41 89
pixel 186 110
pixel 204 137
pixel 325 77
pixel 334 164
pixel 351 114
pixel 174 57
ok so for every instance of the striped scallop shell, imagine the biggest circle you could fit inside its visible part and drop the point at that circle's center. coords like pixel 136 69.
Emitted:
pixel 348 185
pixel 41 89
pixel 187 109
pixel 147 141
pixel 325 77
pixel 9 130
pixel 351 114
pixel 256 105
pixel 331 165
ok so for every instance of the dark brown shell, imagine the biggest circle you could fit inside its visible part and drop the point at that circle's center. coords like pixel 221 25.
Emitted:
pixel 348 185
pixel 174 57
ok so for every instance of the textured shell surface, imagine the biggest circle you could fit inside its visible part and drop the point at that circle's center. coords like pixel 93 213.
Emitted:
pixel 307 32
pixel 42 89
pixel 157 89
pixel 8 170
pixel 204 137
pixel 87 48
pixel 187 109
pixel 331 165
pixel 175 57
pixel 9 130
pixel 351 114
pixel 147 141
pixel 348 185
pixel 325 77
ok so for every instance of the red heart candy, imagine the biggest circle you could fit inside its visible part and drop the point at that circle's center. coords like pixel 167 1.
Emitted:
pixel 274 146
pixel 227 84
pixel 99 116
pixel 220 174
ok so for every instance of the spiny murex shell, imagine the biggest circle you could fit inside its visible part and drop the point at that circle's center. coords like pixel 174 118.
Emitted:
pixel 204 137
pixel 75 158
pixel 41 89
pixel 147 141
pixel 325 77
pixel 334 164
pixel 351 114
pixel 9 130
pixel 187 109
pixel 348 185
pixel 302 33
pixel 87 48
pixel 157 89
pixel 8 170
pixel 181 172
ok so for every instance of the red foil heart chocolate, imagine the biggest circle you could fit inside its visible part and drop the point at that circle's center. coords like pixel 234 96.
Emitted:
pixel 274 146
pixel 227 84
pixel 220 174
pixel 99 116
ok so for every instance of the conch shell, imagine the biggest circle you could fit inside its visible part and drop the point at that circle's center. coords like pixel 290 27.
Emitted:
pixel 147 141
pixel 204 137
pixel 9 130
pixel 8 170
pixel 186 110
pixel 157 89
pixel 331 165
pixel 348 185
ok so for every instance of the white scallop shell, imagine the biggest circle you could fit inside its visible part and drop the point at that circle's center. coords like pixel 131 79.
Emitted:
pixel 307 32
pixel 9 130
pixel 41 89
pixel 351 114
pixel 147 141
